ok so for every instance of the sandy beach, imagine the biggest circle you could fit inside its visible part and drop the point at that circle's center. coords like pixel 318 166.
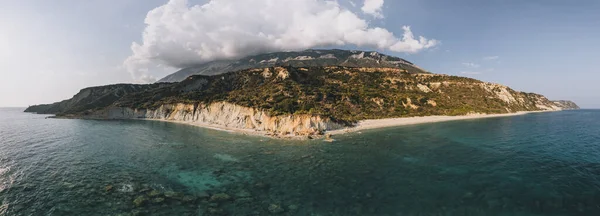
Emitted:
pixel 361 125
pixel 391 122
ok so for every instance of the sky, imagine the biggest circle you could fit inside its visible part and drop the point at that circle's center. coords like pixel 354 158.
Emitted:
pixel 49 50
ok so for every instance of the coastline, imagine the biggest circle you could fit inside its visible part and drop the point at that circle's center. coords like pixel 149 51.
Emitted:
pixel 360 126
pixel 393 122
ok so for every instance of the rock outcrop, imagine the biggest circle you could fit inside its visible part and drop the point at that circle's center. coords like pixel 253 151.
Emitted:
pixel 226 115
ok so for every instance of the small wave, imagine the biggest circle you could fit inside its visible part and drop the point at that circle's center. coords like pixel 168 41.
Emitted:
pixel 3 209
pixel 4 170
pixel 225 157
pixel 126 188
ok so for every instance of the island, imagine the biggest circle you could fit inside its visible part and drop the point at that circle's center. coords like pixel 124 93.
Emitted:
pixel 303 94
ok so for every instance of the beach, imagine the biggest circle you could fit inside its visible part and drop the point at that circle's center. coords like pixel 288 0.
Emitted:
pixel 360 126
pixel 391 122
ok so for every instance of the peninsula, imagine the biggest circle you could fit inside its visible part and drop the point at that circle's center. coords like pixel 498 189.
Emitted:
pixel 308 93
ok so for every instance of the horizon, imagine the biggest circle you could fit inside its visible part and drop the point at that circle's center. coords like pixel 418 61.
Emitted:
pixel 537 46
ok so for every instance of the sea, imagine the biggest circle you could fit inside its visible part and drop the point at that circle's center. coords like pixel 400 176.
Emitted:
pixel 534 164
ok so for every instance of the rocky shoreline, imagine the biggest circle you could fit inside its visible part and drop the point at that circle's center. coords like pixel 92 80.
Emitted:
pixel 326 134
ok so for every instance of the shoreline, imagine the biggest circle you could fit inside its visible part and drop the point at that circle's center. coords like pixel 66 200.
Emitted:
pixel 360 126
pixel 393 122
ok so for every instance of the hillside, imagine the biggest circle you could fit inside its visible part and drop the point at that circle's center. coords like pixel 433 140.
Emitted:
pixel 565 104
pixel 303 100
pixel 91 98
pixel 307 58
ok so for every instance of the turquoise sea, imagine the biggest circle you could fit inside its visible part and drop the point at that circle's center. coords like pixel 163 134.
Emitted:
pixel 535 164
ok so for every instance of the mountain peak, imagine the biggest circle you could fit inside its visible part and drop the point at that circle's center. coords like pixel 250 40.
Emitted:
pixel 306 58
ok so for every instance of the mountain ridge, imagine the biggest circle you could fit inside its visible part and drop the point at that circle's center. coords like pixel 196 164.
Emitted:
pixel 306 58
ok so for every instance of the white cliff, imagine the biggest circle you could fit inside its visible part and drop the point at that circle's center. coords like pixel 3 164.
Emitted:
pixel 226 115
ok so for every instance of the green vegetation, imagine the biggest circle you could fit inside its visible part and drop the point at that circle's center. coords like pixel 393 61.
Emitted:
pixel 345 94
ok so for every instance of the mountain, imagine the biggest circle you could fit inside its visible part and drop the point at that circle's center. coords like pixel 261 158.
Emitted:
pixel 307 58
pixel 300 100
pixel 91 98
pixel 566 105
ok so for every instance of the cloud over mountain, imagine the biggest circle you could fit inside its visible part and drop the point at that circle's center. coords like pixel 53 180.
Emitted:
pixel 180 35
pixel 373 8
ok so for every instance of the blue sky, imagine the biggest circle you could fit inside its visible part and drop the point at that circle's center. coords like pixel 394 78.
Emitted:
pixel 51 49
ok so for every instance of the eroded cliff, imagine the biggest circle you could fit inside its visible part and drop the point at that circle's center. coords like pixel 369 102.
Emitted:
pixel 224 114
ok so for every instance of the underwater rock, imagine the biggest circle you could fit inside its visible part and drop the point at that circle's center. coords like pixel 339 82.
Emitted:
pixel 328 138
pixel 188 199
pixel 216 211
pixel 261 185
pixel 293 207
pixel 275 209
pixel 243 194
pixel 173 195
pixel 244 200
pixel 220 197
pixel 154 193
pixel 202 195
pixel 140 201
pixel 468 195
pixel 158 200
pixel 144 190
pixel 136 213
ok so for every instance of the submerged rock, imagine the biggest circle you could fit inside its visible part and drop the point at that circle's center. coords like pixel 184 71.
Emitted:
pixel 188 198
pixel 140 201
pixel 154 193
pixel 220 197
pixel 158 200
pixel 144 190
pixel 293 207
pixel 261 185
pixel 328 138
pixel 243 194
pixel 173 195
pixel 202 195
pixel 275 209
pixel 468 195
pixel 216 211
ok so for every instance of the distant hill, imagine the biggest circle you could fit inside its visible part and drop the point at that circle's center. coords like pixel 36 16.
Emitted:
pixel 565 104
pixel 307 58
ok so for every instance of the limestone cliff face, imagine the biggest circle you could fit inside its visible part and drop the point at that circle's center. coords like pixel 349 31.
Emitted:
pixel 226 115
pixel 529 100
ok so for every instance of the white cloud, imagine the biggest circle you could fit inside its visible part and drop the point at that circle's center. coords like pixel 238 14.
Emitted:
pixel 352 3
pixel 373 8
pixel 489 58
pixel 181 35
pixel 471 65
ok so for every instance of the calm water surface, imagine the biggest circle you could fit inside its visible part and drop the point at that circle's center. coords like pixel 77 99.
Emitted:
pixel 536 164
